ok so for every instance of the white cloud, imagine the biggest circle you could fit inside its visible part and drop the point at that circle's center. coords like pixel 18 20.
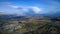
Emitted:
pixel 36 9
pixel 11 6
pixel 26 9
pixel 2 11
pixel 22 8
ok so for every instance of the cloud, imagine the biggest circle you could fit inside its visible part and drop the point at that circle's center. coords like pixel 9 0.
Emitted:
pixel 36 9
pixel 21 8
pixel 2 11
pixel 26 9
pixel 11 6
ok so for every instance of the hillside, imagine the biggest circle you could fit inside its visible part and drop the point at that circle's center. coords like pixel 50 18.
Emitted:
pixel 32 24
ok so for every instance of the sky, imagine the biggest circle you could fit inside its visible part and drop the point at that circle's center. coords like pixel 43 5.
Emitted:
pixel 29 6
